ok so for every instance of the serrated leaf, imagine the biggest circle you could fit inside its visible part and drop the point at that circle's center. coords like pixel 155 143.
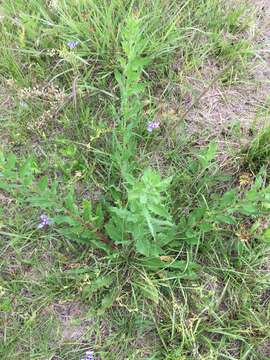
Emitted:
pixel 148 218
pixel 122 213
pixel 166 236
pixel 43 183
pixel 253 195
pixel 165 183
pixel 27 168
pixel 72 232
pixel 96 243
pixel 188 275
pixel 54 187
pixel 140 62
pixel 205 227
pixel 159 210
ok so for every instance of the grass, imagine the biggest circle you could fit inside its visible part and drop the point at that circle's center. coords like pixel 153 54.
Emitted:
pixel 76 121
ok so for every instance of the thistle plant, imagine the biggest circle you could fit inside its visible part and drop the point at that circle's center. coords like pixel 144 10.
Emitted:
pixel 144 222
pixel 131 88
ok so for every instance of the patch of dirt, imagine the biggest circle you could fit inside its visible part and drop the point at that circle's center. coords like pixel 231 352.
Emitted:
pixel 72 319
pixel 232 114
pixel 235 349
pixel 6 106
pixel 5 200
pixel 264 349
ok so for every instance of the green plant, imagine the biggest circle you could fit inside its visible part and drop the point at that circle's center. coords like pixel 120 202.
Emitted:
pixel 131 88
pixel 145 220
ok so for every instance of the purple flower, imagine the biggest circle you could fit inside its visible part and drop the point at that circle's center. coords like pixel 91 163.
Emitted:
pixel 152 125
pixel 89 355
pixel 44 221
pixel 72 44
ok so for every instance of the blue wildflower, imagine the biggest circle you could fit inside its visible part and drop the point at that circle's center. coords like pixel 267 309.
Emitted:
pixel 152 125
pixel 89 355
pixel 44 221
pixel 72 44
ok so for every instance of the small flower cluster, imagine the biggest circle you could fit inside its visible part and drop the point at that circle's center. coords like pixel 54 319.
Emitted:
pixel 89 355
pixel 152 125
pixel 72 44
pixel 44 221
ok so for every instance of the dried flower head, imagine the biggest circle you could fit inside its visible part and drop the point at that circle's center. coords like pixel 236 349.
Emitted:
pixel 245 179
pixel 51 96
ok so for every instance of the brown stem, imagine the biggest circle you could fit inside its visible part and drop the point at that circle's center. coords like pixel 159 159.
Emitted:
pixel 100 235
pixel 97 232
